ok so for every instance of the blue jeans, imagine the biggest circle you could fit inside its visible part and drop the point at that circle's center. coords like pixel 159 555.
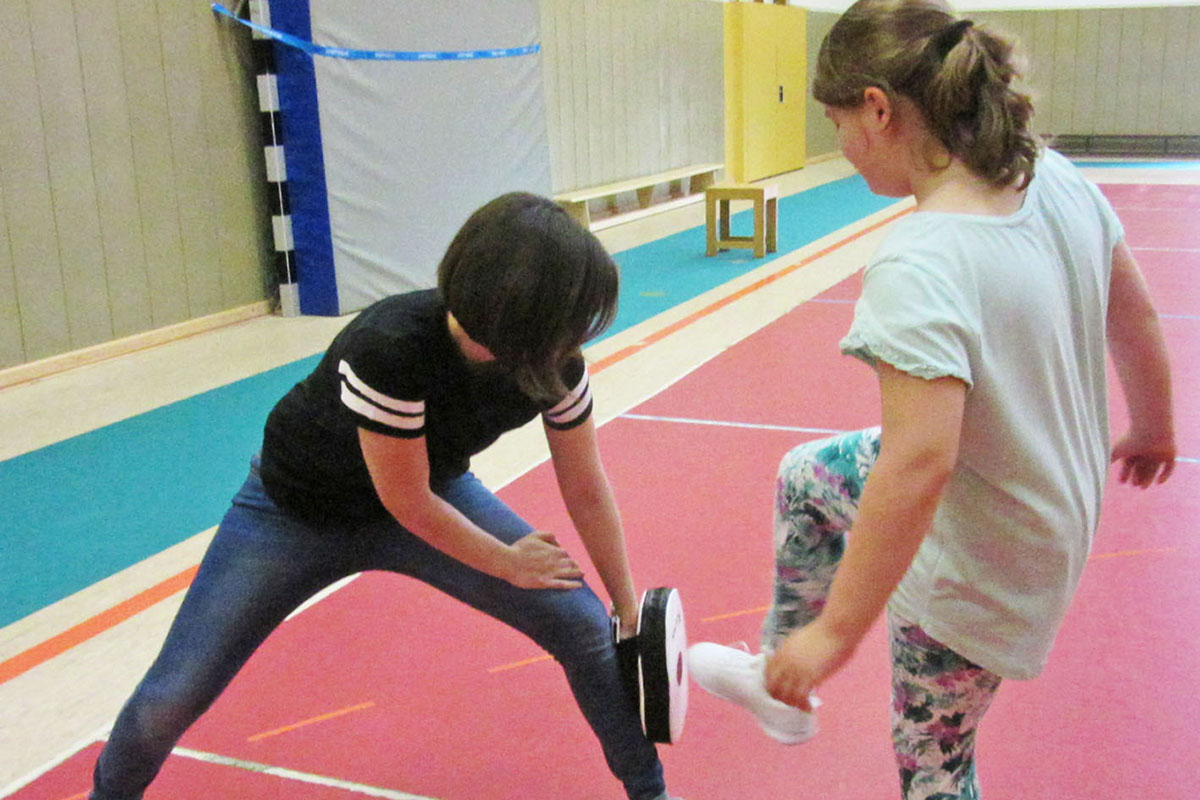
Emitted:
pixel 262 564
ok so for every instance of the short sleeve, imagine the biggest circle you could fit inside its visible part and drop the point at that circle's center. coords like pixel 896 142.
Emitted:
pixel 914 320
pixel 1110 223
pixel 382 387
pixel 576 406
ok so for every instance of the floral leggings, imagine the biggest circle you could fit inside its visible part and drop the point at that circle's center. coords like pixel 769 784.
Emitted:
pixel 938 697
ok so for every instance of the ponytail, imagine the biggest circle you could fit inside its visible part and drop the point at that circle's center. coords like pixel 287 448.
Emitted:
pixel 960 76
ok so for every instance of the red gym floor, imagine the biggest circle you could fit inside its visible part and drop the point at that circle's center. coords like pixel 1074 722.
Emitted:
pixel 387 689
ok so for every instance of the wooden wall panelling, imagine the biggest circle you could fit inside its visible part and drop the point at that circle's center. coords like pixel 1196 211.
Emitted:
pixel 24 172
pixel 72 183
pixel 596 81
pixel 1125 83
pixel 241 216
pixel 703 50
pixel 820 137
pixel 556 78
pixel 1087 65
pixel 158 200
pixel 1040 33
pixel 12 351
pixel 572 50
pixel 1151 70
pixel 633 87
pixel 1064 77
pixel 673 64
pixel 646 117
pixel 111 135
pixel 641 87
pixel 1187 94
pixel 1175 69
pixel 622 65
pixel 1107 117
pixel 190 169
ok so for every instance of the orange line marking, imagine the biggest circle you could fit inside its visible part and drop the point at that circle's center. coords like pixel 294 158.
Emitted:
pixel 516 664
pixel 56 645
pixel 731 614
pixel 311 721
pixel 41 653
pixel 717 305
pixel 80 796
pixel 1124 553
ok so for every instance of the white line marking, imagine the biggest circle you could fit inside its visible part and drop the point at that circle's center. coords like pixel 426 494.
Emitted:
pixel 74 750
pixel 766 427
pixel 719 423
pixel 294 775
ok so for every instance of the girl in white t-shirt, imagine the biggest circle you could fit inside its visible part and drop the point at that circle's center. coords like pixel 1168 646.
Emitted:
pixel 986 315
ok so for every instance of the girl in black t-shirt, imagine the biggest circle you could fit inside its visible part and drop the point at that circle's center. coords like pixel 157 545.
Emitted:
pixel 365 466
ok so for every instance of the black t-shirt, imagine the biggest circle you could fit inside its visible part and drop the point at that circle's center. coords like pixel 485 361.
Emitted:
pixel 394 370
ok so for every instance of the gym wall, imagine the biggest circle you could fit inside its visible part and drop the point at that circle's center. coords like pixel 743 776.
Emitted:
pixel 1119 80
pixel 633 87
pixel 132 190
pixel 131 177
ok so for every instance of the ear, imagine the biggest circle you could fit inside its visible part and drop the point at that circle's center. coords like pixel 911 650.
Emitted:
pixel 878 106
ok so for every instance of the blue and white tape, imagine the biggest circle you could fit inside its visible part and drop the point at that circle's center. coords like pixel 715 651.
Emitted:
pixel 378 55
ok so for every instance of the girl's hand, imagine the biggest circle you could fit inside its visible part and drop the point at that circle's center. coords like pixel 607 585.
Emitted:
pixel 1145 460
pixel 628 628
pixel 803 662
pixel 538 562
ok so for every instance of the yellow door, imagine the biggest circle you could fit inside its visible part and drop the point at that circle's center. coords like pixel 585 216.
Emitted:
pixel 765 89
pixel 761 98
pixel 791 70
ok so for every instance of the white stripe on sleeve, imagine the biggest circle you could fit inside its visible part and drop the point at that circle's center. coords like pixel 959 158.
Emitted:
pixel 574 405
pixel 363 407
pixel 379 398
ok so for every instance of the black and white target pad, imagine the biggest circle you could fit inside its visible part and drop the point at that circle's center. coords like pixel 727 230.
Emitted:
pixel 654 664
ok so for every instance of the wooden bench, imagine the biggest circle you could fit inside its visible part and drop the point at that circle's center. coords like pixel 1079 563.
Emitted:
pixel 699 176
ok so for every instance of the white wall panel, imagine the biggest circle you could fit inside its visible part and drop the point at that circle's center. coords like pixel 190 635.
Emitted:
pixel 637 87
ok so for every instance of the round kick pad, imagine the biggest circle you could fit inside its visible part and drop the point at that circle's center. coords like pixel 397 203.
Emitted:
pixel 662 665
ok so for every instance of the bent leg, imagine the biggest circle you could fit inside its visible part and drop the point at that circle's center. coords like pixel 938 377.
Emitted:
pixel 253 575
pixel 571 625
pixel 816 501
pixel 938 701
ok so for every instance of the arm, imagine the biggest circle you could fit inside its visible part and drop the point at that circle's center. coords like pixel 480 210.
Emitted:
pixel 1147 450
pixel 399 469
pixel 921 424
pixel 589 500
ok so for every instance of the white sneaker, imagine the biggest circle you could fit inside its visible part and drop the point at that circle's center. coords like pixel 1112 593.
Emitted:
pixel 737 676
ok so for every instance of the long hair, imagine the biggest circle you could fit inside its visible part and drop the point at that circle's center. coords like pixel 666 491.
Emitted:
pixel 959 75
pixel 527 282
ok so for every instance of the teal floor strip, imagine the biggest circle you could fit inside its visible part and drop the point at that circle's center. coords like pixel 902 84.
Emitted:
pixel 662 274
pixel 85 508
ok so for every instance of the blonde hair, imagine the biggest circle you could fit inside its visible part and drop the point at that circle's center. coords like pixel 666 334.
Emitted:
pixel 959 75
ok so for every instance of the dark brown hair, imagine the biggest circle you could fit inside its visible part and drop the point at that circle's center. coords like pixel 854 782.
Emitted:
pixel 959 75
pixel 527 282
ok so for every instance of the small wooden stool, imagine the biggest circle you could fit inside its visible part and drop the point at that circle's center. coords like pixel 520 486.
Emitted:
pixel 766 217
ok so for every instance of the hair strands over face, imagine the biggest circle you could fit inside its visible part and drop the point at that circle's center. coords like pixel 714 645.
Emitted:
pixel 530 284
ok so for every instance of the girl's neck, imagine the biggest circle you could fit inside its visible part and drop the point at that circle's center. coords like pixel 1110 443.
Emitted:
pixel 957 190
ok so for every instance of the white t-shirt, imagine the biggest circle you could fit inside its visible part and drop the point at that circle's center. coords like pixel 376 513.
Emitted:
pixel 1015 307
